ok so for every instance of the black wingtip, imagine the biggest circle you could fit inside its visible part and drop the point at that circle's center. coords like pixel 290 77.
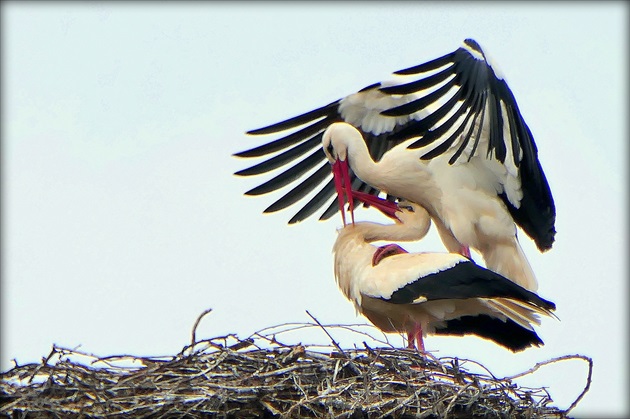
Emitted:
pixel 473 44
pixel 508 334
pixel 427 66
pixel 260 131
pixel 245 153
pixel 327 110
pixel 370 87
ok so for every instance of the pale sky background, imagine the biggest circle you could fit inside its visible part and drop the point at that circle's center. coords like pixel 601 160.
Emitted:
pixel 122 221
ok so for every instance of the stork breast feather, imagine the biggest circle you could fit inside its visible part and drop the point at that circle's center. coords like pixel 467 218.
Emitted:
pixel 394 272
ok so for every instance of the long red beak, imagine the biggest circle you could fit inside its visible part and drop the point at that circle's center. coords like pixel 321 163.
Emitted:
pixel 343 186
pixel 388 208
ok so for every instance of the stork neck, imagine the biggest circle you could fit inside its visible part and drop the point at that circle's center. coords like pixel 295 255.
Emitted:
pixel 361 162
pixel 372 232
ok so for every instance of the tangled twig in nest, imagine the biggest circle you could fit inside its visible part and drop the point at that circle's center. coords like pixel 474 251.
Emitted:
pixel 261 377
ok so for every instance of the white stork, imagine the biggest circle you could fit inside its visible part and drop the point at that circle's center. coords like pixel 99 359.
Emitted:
pixel 452 121
pixel 461 198
pixel 430 293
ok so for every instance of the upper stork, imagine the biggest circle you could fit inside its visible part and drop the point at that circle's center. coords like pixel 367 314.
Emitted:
pixel 457 116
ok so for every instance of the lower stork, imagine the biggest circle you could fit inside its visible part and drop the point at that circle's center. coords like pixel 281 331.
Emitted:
pixel 430 293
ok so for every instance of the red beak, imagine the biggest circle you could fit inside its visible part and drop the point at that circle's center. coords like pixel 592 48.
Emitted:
pixel 343 185
pixel 388 208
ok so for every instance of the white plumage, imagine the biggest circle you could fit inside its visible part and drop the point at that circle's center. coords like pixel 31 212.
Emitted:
pixel 447 134
pixel 426 293
pixel 462 199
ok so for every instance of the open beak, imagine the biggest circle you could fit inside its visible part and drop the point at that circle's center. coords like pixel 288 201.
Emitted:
pixel 343 186
pixel 388 208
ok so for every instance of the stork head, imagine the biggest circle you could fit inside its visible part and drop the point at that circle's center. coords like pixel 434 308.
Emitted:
pixel 335 144
pixel 408 213
pixel 414 216
pixel 336 139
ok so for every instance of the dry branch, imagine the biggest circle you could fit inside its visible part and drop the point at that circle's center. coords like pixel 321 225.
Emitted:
pixel 261 377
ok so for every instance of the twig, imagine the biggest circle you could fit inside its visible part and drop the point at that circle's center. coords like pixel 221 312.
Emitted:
pixel 398 406
pixel 588 381
pixel 454 399
pixel 309 380
pixel 549 361
pixel 558 359
pixel 193 338
pixel 44 363
pixel 331 338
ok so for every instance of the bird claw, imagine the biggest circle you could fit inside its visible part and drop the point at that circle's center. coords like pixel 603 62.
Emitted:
pixel 386 251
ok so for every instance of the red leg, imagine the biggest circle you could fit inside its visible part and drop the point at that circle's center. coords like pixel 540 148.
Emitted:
pixel 411 341
pixel 385 251
pixel 419 339
pixel 414 338
pixel 465 251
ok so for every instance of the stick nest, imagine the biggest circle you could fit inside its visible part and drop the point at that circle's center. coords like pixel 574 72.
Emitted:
pixel 261 377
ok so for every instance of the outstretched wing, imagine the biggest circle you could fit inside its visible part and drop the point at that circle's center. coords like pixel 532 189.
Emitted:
pixel 473 105
pixel 457 104
pixel 298 152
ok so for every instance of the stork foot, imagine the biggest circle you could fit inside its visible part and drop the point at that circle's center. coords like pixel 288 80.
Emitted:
pixel 385 251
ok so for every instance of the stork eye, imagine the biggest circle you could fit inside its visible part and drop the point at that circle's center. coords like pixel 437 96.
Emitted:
pixel 330 149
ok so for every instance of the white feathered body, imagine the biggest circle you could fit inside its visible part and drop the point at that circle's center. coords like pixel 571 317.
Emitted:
pixel 369 287
pixel 462 198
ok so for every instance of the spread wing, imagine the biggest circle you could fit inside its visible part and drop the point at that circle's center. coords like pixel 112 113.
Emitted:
pixel 457 105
